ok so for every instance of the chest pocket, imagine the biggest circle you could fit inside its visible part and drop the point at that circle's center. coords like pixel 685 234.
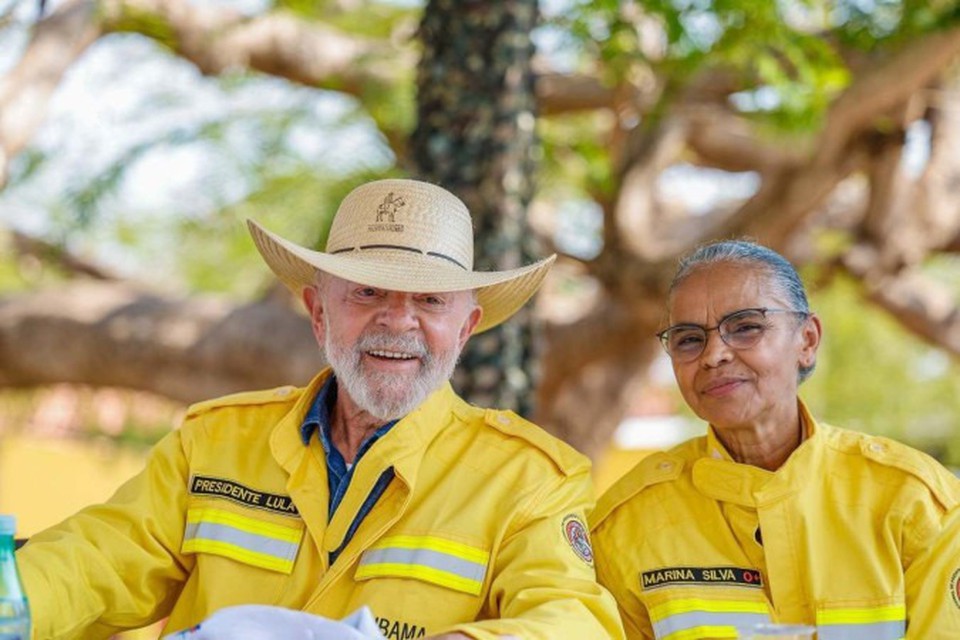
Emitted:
pixel 243 538
pixel 439 561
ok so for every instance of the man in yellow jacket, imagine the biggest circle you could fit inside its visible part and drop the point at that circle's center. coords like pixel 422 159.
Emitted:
pixel 374 485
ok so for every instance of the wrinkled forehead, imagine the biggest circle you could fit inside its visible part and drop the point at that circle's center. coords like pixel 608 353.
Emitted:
pixel 713 290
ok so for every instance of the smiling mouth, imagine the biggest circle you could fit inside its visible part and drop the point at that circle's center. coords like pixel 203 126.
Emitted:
pixel 722 387
pixel 392 355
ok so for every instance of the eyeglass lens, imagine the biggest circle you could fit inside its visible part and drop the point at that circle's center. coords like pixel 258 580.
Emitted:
pixel 739 330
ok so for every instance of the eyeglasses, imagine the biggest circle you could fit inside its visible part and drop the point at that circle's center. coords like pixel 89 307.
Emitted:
pixel 739 330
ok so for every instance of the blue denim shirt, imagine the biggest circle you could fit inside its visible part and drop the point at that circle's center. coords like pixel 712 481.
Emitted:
pixel 338 474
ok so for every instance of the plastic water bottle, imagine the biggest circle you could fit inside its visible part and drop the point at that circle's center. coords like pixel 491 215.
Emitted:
pixel 14 611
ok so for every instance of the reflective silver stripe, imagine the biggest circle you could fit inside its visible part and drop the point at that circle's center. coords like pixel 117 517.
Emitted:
pixel 693 619
pixel 890 630
pixel 251 541
pixel 426 558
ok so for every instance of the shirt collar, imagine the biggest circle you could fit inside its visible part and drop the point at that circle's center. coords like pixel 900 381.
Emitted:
pixel 319 413
pixel 318 419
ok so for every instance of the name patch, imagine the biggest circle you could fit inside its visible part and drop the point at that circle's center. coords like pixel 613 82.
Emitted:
pixel 236 492
pixel 700 576
pixel 401 630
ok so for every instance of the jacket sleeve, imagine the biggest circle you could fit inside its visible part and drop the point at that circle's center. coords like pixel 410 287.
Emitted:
pixel 116 565
pixel 932 576
pixel 611 574
pixel 544 586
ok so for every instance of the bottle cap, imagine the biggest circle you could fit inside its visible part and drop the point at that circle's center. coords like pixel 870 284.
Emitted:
pixel 8 525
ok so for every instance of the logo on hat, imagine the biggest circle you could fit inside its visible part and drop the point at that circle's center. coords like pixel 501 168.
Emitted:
pixel 575 533
pixel 387 213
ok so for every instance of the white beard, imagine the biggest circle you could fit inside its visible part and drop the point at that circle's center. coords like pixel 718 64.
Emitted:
pixel 388 396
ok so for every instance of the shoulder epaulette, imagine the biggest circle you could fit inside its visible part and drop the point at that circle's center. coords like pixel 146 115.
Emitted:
pixel 662 466
pixel 944 485
pixel 567 459
pixel 245 398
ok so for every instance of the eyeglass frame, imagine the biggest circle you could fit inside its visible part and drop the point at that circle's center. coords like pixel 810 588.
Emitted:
pixel 663 336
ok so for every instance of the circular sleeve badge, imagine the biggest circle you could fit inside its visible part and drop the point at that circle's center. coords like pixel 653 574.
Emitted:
pixel 575 533
pixel 955 587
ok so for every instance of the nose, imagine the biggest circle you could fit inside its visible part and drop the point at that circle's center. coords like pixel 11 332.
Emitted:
pixel 398 313
pixel 715 351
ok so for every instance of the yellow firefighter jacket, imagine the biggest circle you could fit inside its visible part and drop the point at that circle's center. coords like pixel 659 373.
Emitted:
pixel 480 529
pixel 855 534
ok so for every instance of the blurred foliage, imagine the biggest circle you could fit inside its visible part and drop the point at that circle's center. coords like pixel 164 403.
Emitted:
pixel 574 153
pixel 137 20
pixel 392 108
pixel 867 22
pixel 875 377
pixel 373 19
pixel 772 47
pixel 791 57
pixel 391 105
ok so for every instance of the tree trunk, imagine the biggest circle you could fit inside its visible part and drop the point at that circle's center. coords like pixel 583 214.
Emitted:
pixel 475 136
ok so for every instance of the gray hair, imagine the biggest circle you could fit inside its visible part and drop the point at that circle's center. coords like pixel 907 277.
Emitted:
pixel 782 274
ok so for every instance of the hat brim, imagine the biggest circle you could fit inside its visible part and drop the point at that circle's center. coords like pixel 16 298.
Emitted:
pixel 499 293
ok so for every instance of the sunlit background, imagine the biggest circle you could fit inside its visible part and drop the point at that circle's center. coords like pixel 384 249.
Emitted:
pixel 146 168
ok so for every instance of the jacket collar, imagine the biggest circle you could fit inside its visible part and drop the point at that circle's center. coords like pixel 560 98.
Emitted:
pixel 403 448
pixel 415 430
pixel 717 475
pixel 716 450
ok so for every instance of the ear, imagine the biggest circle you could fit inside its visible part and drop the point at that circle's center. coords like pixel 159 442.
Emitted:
pixel 810 335
pixel 313 301
pixel 470 324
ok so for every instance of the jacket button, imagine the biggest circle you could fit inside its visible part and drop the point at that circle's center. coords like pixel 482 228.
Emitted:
pixel 876 447
pixel 663 466
pixel 503 419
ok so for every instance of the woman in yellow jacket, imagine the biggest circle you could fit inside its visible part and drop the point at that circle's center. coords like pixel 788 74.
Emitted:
pixel 773 516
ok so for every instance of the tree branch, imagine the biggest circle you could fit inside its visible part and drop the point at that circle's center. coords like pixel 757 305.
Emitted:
pixel 922 306
pixel 24 245
pixel 111 334
pixel 57 42
pixel 881 89
pixel 217 39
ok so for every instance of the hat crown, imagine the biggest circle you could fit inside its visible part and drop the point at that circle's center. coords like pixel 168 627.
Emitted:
pixel 405 215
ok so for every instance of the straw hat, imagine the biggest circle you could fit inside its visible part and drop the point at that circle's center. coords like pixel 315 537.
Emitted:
pixel 403 235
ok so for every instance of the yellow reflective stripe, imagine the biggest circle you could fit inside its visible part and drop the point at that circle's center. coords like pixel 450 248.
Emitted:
pixel 862 615
pixel 422 572
pixel 688 605
pixel 244 523
pixel 445 562
pixel 441 545
pixel 266 561
pixel 706 631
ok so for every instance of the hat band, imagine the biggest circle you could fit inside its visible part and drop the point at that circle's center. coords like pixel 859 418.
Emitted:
pixel 402 248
